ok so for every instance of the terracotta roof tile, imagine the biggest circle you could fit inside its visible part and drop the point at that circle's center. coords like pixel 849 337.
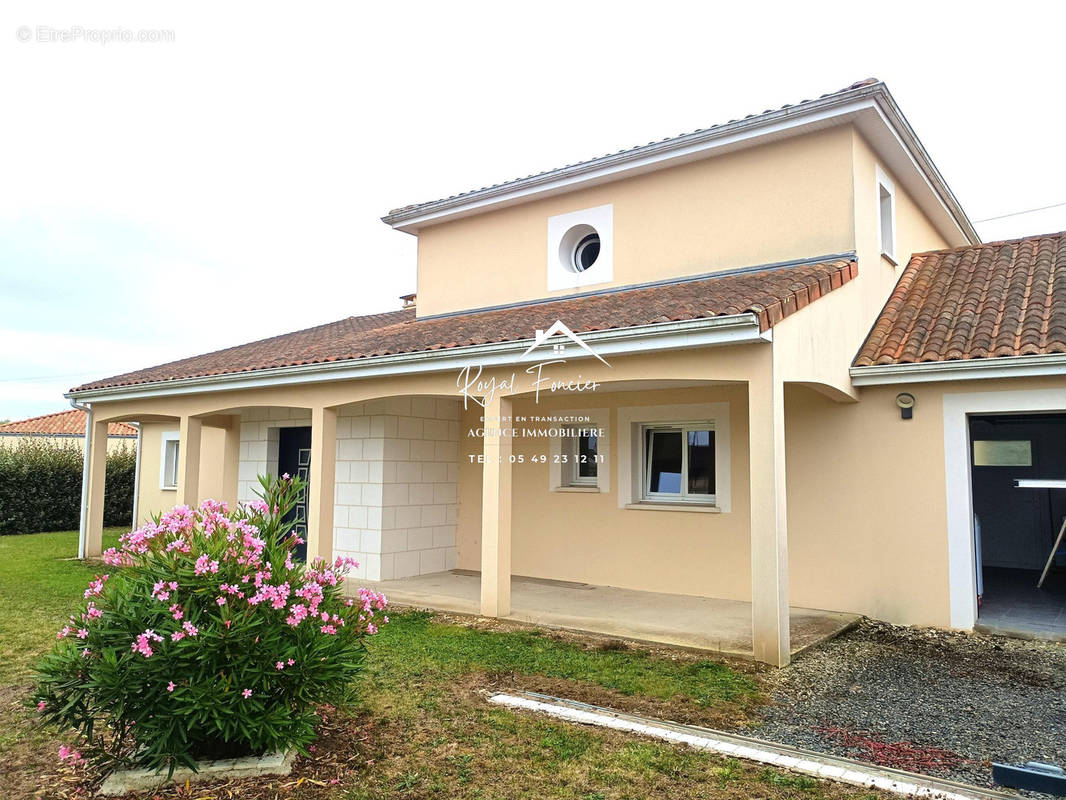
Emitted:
pixel 770 293
pixel 65 423
pixel 982 301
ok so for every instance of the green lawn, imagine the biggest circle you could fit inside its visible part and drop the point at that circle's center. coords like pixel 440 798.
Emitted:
pixel 40 584
pixel 423 728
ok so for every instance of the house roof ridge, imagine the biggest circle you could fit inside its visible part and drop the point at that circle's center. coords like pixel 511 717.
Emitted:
pixel 997 243
pixel 867 82
pixel 24 427
pixel 36 418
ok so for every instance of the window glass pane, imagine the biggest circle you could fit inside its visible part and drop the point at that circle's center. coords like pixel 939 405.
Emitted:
pixel 586 455
pixel 701 462
pixel 170 472
pixel 664 449
pixel 991 453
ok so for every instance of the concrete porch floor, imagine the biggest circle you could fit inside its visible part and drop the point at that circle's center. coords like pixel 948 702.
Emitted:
pixel 722 626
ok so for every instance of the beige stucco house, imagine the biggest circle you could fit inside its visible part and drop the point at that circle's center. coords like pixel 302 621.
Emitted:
pixel 735 369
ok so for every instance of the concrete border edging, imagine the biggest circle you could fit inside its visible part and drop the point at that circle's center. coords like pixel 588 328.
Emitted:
pixel 807 762
pixel 129 780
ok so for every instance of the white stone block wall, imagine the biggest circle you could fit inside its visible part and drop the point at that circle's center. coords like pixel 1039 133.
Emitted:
pixel 396 493
pixel 397 486
pixel 259 445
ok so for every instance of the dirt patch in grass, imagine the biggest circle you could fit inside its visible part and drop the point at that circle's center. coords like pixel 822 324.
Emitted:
pixel 447 742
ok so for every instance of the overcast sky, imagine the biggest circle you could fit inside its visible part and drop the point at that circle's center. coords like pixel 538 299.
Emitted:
pixel 159 200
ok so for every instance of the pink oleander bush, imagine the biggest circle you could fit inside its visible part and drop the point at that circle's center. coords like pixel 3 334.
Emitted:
pixel 206 640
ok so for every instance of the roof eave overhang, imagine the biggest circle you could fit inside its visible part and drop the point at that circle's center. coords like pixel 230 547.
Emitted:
pixel 731 329
pixel 961 370
pixel 865 106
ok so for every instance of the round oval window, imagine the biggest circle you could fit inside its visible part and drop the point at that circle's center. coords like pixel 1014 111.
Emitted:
pixel 586 252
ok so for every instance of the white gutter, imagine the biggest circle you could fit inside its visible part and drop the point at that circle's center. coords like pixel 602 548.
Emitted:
pixel 712 331
pixel 960 370
pixel 84 475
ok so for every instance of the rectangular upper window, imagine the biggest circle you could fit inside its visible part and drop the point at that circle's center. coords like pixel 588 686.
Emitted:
pixel 168 472
pixel 886 216
pixel 677 462
pixel 1002 453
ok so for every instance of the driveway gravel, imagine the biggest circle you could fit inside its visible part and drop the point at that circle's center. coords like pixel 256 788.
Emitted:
pixel 944 704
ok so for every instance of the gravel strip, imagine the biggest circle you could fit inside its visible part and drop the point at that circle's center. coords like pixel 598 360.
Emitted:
pixel 958 701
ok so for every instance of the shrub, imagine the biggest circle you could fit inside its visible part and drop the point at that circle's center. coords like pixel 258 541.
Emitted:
pixel 207 640
pixel 40 486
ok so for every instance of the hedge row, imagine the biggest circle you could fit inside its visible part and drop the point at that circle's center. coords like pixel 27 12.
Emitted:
pixel 40 487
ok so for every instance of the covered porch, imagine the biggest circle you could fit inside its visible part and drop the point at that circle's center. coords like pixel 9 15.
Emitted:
pixel 703 623
pixel 678 536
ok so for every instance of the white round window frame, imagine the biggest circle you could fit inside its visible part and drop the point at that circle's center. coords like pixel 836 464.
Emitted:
pixel 560 275
pixel 568 247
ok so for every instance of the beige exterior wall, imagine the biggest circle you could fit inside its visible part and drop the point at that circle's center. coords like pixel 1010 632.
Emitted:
pixel 914 234
pixel 152 498
pixel 866 499
pixel 586 537
pixel 114 443
pixel 780 201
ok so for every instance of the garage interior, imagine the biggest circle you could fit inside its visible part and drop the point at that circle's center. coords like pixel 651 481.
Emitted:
pixel 1016 525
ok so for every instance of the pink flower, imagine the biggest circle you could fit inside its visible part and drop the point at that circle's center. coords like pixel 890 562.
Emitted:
pixel 291 662
pixel 246 693
pixel 220 600
pixel 329 629
pixel 170 686
pixel 143 644
pixel 96 586
pixel 279 666
pixel 82 633
pixel 41 706
pixel 68 752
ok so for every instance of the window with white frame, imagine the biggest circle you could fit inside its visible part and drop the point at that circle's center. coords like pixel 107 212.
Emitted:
pixel 581 457
pixel 168 468
pixel 678 462
pixel 886 220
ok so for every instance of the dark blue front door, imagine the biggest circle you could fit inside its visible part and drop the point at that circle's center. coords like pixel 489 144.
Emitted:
pixel 294 458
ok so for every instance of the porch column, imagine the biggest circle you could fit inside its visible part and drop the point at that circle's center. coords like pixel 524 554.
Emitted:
pixel 231 460
pixel 323 479
pixel 769 543
pixel 496 511
pixel 94 515
pixel 189 435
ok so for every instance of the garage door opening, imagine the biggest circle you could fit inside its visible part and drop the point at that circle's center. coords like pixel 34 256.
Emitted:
pixel 1017 521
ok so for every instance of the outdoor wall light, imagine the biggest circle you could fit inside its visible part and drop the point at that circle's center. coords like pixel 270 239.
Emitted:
pixel 905 401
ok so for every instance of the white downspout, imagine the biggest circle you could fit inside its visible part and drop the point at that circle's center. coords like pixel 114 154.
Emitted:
pixel 84 475
pixel 137 473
